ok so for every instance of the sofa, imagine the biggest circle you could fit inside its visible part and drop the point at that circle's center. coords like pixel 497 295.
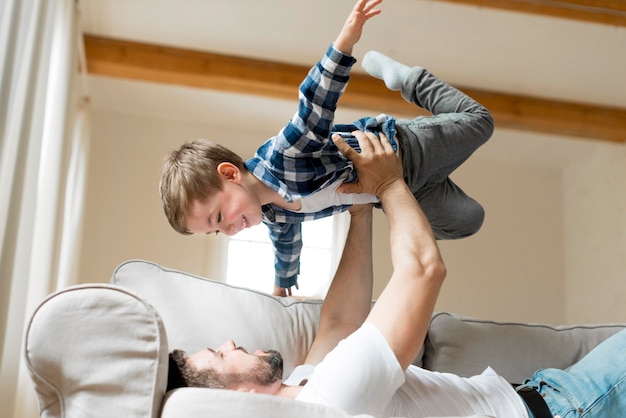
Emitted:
pixel 101 350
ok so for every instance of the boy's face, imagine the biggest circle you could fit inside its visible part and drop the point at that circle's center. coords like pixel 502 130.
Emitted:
pixel 228 211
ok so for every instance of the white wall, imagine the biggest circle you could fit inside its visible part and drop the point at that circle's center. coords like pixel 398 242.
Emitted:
pixel 594 199
pixel 123 213
pixel 513 268
pixel 551 248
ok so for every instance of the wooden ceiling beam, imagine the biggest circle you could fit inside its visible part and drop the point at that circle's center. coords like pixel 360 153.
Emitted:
pixel 608 12
pixel 115 58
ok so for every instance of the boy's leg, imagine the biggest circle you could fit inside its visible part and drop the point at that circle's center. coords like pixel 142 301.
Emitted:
pixel 452 214
pixel 439 144
pixel 436 144
pixel 433 147
pixel 593 387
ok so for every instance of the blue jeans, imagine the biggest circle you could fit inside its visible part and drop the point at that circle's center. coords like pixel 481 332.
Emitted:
pixel 593 387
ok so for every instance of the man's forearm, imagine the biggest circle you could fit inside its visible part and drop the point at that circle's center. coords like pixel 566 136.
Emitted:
pixel 411 237
pixel 349 298
pixel 403 310
pixel 350 294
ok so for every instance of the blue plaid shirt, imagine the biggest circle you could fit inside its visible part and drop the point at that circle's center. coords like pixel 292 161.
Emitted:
pixel 302 159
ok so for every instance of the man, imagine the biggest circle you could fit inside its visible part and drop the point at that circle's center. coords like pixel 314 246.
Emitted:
pixel 360 361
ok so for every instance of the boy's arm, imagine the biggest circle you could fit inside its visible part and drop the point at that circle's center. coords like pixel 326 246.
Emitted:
pixel 403 311
pixel 353 27
pixel 318 95
pixel 287 245
pixel 323 86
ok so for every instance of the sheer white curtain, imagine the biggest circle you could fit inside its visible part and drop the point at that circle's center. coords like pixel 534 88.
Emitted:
pixel 43 137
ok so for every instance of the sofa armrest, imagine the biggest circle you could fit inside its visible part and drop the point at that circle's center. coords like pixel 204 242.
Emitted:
pixel 95 351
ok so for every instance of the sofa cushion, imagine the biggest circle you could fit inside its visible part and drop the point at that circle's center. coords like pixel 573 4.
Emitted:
pixel 466 346
pixel 199 313
pixel 199 402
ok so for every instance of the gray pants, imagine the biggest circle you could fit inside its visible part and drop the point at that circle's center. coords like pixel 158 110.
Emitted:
pixel 434 146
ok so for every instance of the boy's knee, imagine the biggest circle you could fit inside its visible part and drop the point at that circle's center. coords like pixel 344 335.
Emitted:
pixel 489 126
pixel 464 226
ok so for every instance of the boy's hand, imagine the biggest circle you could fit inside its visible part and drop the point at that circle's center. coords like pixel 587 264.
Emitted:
pixel 351 32
pixel 281 291
pixel 377 164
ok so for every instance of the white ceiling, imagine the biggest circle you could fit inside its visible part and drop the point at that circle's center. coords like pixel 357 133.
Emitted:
pixel 467 46
pixel 470 46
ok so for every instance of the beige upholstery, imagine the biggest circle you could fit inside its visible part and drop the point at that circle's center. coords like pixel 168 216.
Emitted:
pixel 197 402
pixel 200 313
pixel 465 346
pixel 96 351
pixel 101 350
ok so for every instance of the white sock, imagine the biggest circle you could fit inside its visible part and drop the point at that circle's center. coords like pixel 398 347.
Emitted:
pixel 390 71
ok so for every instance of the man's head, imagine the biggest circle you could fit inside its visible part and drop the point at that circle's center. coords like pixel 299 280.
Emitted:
pixel 228 367
pixel 191 178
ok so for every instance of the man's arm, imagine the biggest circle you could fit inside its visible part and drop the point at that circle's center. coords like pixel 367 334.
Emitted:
pixel 349 297
pixel 403 311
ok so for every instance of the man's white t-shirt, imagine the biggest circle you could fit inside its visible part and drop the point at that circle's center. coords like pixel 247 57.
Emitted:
pixel 362 376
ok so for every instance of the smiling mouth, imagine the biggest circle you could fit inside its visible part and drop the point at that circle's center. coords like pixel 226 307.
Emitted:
pixel 244 223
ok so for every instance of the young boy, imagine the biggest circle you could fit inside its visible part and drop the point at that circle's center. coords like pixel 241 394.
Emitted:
pixel 293 176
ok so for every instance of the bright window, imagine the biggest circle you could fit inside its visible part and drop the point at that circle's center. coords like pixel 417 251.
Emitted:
pixel 251 259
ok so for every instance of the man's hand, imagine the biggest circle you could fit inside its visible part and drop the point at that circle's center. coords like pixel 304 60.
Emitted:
pixel 377 164
pixel 351 32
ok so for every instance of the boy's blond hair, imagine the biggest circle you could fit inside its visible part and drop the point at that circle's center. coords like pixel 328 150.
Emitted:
pixel 190 174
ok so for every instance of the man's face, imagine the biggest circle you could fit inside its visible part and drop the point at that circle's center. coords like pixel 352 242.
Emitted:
pixel 260 368
pixel 228 211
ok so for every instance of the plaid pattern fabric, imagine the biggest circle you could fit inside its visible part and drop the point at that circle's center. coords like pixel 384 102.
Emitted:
pixel 302 159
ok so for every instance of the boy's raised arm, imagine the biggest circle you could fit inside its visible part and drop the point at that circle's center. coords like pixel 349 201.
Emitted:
pixel 353 27
pixel 306 132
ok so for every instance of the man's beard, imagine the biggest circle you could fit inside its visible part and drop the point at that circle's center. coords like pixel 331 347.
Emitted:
pixel 268 370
